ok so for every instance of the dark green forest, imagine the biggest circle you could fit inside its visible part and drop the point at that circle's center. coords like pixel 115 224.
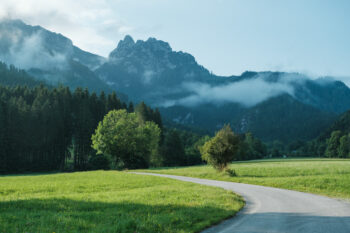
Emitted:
pixel 46 128
pixel 12 76
pixel 41 128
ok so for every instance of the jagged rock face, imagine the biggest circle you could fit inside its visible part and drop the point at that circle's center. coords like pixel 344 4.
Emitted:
pixel 149 69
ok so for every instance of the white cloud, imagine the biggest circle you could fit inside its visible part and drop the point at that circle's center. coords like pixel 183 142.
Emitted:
pixel 247 92
pixel 91 24
pixel 30 53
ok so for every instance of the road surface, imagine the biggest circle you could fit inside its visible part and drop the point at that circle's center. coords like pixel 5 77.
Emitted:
pixel 273 210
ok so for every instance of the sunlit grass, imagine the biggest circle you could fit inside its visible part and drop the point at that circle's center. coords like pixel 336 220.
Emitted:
pixel 110 202
pixel 329 177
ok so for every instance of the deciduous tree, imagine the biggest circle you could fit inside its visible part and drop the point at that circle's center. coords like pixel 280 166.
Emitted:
pixel 221 149
pixel 127 139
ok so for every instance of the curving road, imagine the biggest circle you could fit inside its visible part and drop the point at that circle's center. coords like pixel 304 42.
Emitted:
pixel 273 210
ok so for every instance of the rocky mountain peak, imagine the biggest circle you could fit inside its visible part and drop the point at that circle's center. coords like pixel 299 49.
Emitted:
pixel 127 47
pixel 124 47
pixel 127 43
pixel 128 40
pixel 158 45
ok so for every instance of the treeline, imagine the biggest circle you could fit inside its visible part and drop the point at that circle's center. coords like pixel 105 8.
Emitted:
pixel 12 76
pixel 47 129
pixel 42 128
pixel 336 139
pixel 338 145
pixel 332 143
pixel 182 148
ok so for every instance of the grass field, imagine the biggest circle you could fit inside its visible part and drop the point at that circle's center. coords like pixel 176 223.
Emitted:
pixel 110 201
pixel 329 177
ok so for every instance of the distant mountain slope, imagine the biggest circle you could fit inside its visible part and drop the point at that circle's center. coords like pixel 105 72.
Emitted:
pixel 284 118
pixel 150 70
pixel 273 105
pixel 48 56
pixel 279 118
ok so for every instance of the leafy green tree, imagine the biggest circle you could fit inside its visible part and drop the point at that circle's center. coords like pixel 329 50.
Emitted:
pixel 221 149
pixel 344 146
pixel 333 144
pixel 130 142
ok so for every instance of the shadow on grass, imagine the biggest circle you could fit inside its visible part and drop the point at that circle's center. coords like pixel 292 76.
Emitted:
pixel 66 215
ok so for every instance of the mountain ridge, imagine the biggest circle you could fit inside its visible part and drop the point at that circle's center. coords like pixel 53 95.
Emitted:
pixel 185 91
pixel 189 94
pixel 48 55
pixel 152 63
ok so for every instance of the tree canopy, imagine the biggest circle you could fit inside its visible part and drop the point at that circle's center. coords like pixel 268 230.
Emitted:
pixel 127 139
pixel 221 149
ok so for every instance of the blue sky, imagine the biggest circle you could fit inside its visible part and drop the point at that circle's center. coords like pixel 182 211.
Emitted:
pixel 226 36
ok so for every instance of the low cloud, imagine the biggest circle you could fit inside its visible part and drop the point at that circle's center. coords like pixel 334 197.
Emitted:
pixel 93 25
pixel 247 92
pixel 28 52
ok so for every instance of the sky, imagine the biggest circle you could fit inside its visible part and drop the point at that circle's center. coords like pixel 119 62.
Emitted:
pixel 227 37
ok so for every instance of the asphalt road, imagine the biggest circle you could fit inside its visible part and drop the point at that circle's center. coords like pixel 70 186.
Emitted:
pixel 273 210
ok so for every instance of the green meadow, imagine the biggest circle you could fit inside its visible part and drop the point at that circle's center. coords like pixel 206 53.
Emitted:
pixel 330 177
pixel 110 201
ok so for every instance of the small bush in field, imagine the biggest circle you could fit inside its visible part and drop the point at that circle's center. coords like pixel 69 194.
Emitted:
pixel 221 149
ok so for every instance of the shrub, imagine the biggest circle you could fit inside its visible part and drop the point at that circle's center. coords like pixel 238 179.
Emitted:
pixel 221 149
